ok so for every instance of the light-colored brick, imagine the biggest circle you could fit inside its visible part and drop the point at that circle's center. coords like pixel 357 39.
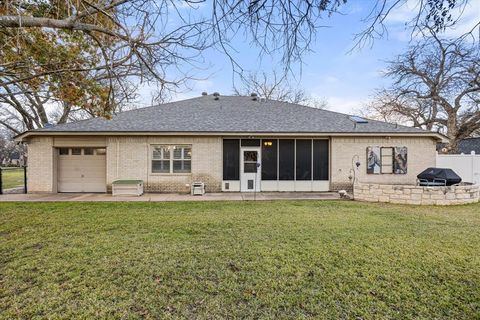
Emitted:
pixel 421 155
pixel 132 160
pixel 40 172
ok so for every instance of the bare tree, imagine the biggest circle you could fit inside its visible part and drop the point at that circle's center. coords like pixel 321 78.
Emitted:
pixel 436 15
pixel 109 43
pixel 289 27
pixel 88 53
pixel 135 37
pixel 275 87
pixel 436 86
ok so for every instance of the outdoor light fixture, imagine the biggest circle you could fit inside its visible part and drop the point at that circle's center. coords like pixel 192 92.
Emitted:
pixel 267 143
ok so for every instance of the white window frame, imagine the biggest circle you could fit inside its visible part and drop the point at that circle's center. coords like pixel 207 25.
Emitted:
pixel 182 158
pixel 171 158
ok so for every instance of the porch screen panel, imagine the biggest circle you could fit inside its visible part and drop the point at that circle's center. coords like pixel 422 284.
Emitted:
pixel 286 159
pixel 320 159
pixel 231 159
pixel 304 159
pixel 269 159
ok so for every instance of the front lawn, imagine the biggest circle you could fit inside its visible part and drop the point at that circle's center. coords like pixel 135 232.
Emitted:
pixel 284 259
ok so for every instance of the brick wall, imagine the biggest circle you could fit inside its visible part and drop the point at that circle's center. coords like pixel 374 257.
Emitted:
pixel 421 155
pixel 130 158
pixel 417 195
pixel 41 176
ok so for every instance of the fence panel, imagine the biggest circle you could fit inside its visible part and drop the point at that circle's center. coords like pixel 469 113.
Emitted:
pixel 467 166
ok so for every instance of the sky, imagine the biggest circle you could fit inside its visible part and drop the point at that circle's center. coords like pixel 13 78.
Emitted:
pixel 346 79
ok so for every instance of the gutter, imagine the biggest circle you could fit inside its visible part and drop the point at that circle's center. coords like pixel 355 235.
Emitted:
pixel 22 137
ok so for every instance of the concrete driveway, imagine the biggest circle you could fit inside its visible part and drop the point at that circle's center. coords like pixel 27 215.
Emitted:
pixel 101 197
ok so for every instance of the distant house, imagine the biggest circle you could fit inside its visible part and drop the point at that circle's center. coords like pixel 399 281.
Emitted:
pixel 465 146
pixel 14 159
pixel 239 144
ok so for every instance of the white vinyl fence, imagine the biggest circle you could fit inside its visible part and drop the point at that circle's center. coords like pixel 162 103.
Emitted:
pixel 467 166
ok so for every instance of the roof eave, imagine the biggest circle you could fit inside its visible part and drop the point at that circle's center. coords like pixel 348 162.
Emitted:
pixel 22 137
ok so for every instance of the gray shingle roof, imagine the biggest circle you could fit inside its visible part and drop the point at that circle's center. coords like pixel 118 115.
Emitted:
pixel 230 114
pixel 465 146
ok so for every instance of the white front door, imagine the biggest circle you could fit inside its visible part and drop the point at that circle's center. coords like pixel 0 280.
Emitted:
pixel 250 173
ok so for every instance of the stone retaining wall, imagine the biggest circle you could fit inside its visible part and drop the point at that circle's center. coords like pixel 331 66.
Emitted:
pixel 409 194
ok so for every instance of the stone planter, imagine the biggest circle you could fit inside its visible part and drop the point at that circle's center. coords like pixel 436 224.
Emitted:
pixel 417 195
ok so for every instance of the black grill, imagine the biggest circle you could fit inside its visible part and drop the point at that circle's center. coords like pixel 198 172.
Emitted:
pixel 438 177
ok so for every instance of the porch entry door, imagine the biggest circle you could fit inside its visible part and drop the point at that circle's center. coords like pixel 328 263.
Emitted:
pixel 250 173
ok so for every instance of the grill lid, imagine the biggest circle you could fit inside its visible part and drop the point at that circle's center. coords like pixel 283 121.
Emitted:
pixel 448 175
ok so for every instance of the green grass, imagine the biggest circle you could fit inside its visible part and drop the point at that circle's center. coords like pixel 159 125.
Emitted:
pixel 12 177
pixel 285 259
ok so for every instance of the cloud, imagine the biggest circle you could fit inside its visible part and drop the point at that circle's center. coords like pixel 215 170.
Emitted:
pixel 470 18
pixel 397 20
pixel 403 13
pixel 344 104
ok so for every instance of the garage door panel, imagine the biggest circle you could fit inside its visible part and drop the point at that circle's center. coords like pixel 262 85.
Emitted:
pixel 82 173
pixel 70 187
pixel 94 187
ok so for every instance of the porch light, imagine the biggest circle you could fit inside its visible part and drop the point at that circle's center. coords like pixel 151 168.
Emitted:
pixel 267 143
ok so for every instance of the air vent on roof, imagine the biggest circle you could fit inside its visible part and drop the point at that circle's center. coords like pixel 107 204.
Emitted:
pixel 357 119
pixel 204 93
pixel 254 96
pixel 216 95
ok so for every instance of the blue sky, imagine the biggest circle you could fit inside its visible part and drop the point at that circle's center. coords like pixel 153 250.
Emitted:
pixel 345 79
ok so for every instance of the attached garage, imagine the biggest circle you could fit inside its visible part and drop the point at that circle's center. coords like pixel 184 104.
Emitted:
pixel 81 169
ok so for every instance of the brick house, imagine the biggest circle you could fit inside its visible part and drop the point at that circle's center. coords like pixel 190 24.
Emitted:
pixel 231 144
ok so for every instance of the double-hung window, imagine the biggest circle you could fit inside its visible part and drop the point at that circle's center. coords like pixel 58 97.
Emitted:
pixel 182 159
pixel 171 159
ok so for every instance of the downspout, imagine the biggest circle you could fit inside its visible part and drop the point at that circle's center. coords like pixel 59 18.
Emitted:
pixel 118 158
pixel 148 162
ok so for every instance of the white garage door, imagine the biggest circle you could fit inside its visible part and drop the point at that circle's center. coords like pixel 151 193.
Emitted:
pixel 82 170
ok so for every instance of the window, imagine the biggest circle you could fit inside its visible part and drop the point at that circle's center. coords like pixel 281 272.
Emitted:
pixel 63 151
pixel 269 159
pixel 250 159
pixel 231 159
pixel 182 159
pixel 171 159
pixel 304 160
pixel 88 151
pixel 286 159
pixel 386 160
pixel 161 159
pixel 100 151
pixel 320 159
pixel 76 151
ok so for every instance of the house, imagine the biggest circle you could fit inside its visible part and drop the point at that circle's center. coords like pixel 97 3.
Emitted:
pixel 231 144
pixel 465 146
pixel 14 159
